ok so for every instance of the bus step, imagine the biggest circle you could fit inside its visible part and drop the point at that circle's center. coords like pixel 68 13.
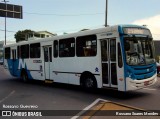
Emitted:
pixel 48 81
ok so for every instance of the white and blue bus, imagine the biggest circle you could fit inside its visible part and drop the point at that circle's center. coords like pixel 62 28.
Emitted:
pixel 119 57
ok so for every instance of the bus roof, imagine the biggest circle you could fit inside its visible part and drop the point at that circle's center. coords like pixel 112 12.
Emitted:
pixel 76 34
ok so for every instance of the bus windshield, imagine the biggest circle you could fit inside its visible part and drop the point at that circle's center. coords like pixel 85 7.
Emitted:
pixel 139 50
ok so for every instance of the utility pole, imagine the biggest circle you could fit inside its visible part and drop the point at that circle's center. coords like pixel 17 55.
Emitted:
pixel 106 15
pixel 5 21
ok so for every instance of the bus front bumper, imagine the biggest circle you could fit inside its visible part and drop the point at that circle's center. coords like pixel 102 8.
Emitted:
pixel 139 84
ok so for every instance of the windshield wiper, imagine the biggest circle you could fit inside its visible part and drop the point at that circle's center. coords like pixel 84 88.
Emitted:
pixel 133 54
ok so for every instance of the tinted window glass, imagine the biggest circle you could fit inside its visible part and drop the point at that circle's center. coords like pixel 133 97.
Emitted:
pixel 113 49
pixel 55 48
pixel 7 53
pixel 24 51
pixel 86 46
pixel 120 62
pixel 19 51
pixel 67 47
pixel 35 50
pixel 104 53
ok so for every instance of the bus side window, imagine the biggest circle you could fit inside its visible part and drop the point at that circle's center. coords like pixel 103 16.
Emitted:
pixel 120 62
pixel 86 46
pixel 55 49
pixel 46 57
pixel 104 53
pixel 67 47
pixel 25 51
pixel 18 52
pixel 7 53
pixel 35 51
pixel 113 49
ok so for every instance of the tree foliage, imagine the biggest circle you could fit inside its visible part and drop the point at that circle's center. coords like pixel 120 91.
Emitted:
pixel 21 35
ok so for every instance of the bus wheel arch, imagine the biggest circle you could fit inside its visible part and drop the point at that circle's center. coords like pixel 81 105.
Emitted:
pixel 88 80
pixel 24 75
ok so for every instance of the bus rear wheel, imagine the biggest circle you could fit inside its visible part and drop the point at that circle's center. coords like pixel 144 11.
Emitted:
pixel 24 76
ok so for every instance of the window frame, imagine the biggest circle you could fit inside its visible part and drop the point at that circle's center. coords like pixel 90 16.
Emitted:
pixel 65 48
pixel 81 46
pixel 32 53
pixel 25 50
pixel 7 53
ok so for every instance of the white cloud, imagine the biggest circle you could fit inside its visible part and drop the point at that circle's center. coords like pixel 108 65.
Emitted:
pixel 153 23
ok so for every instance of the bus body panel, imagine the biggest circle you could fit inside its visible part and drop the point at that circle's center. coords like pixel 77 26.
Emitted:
pixel 61 67
pixel 138 84
pixel 70 69
pixel 34 68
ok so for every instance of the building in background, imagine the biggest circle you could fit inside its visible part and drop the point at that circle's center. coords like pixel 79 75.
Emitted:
pixel 39 34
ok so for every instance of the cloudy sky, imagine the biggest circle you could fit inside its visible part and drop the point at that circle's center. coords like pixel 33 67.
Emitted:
pixel 153 23
pixel 59 16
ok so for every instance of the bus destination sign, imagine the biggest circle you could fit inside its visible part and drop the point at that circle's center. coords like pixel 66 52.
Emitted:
pixel 136 31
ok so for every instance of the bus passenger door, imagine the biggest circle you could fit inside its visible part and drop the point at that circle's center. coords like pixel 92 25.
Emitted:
pixel 47 61
pixel 14 62
pixel 109 64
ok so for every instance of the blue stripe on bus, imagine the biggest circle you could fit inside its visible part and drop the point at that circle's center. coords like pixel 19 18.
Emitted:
pixel 13 68
pixel 141 72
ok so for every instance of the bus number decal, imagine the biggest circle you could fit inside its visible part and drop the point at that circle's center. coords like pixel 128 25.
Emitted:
pixel 37 61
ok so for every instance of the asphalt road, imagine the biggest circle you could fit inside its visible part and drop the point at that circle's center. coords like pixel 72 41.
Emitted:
pixel 55 96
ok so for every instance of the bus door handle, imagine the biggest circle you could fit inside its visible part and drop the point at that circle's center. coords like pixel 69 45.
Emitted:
pixel 40 68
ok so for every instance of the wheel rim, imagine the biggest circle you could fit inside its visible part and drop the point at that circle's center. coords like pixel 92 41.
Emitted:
pixel 89 83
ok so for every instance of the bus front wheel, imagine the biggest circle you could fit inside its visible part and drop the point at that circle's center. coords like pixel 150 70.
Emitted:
pixel 88 81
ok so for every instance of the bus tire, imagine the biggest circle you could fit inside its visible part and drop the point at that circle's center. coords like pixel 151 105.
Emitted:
pixel 24 76
pixel 88 81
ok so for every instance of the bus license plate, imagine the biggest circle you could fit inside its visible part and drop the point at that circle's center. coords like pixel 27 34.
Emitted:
pixel 146 83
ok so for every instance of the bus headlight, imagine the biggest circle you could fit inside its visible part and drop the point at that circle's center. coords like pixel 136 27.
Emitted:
pixel 130 75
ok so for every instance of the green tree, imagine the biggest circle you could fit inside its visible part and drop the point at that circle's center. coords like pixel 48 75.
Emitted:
pixel 21 35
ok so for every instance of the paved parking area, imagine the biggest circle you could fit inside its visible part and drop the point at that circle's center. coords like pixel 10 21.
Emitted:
pixel 101 108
